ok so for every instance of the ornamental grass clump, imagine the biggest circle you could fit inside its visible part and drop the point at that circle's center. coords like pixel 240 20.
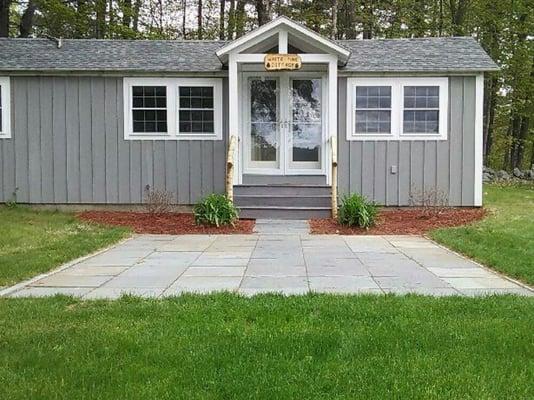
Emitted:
pixel 356 210
pixel 215 209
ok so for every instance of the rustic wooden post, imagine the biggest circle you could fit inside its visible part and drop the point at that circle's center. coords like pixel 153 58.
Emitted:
pixel 333 143
pixel 230 168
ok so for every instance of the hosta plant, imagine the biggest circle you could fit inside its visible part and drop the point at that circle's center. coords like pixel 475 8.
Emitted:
pixel 356 210
pixel 215 209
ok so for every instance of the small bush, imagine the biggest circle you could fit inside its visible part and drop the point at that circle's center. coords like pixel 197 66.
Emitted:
pixel 356 210
pixel 433 201
pixel 215 209
pixel 157 201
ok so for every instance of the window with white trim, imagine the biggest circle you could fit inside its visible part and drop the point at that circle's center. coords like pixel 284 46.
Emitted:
pixel 373 110
pixel 421 110
pixel 196 112
pixel 173 108
pixel 149 109
pixel 5 113
pixel 397 108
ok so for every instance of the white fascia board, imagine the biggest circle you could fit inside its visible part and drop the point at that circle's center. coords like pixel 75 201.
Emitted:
pixel 272 27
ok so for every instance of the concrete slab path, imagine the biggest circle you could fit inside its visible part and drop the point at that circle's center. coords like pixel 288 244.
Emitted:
pixel 293 262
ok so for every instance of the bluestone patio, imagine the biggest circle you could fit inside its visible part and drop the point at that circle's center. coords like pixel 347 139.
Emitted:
pixel 270 261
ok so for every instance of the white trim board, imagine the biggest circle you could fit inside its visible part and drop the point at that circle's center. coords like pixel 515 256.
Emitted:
pixel 274 27
pixel 284 166
pixel 397 107
pixel 5 93
pixel 172 85
pixel 479 115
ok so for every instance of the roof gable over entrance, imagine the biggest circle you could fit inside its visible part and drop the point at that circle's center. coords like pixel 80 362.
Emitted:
pixel 284 32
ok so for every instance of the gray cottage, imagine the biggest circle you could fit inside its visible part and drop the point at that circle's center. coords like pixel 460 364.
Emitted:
pixel 280 118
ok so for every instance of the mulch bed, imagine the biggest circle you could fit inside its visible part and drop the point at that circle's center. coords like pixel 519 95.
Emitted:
pixel 412 221
pixel 168 223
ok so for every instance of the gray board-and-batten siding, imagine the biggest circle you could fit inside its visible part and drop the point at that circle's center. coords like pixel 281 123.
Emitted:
pixel 446 167
pixel 67 147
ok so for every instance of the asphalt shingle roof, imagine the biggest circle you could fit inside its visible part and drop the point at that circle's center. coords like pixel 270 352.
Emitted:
pixel 109 55
pixel 394 55
pixel 422 54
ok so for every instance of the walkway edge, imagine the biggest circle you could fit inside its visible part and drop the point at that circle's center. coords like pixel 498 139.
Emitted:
pixel 498 273
pixel 17 286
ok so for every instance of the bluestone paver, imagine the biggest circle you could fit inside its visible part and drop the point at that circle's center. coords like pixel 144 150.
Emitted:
pixel 67 280
pixel 258 267
pixel 343 284
pixel 203 284
pixel 274 261
pixel 214 271
pixel 115 293
pixel 30 291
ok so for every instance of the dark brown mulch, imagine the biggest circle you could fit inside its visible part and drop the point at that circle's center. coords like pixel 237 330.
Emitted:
pixel 168 223
pixel 412 221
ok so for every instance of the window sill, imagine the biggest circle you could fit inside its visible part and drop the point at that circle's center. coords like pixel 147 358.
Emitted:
pixel 397 138
pixel 137 136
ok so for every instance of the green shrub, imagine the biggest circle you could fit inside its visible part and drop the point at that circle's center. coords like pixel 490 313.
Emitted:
pixel 215 209
pixel 356 210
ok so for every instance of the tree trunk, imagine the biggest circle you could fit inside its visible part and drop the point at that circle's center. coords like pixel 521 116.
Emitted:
pixel 199 20
pixel 100 19
pixel 458 10
pixel 135 16
pixel 523 133
pixel 4 17
pixel 184 18
pixel 515 132
pixel 221 19
pixel 111 22
pixel 368 25
pixel 334 19
pixel 240 18
pixel 440 22
pixel 231 21
pixel 262 12
pixel 26 21
pixel 127 13
pixel 490 101
pixel 350 31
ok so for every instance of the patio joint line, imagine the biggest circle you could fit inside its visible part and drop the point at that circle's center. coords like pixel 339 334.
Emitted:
pixel 184 271
pixel 449 286
pixel 365 265
pixel 119 274
pixel 305 262
pixel 248 263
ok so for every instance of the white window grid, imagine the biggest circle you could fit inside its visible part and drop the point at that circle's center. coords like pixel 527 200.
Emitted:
pixel 397 85
pixel 172 85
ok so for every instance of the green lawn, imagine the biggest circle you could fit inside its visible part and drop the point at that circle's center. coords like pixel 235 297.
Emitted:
pixel 33 242
pixel 504 240
pixel 268 347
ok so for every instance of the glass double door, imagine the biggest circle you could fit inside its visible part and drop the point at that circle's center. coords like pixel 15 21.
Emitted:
pixel 284 124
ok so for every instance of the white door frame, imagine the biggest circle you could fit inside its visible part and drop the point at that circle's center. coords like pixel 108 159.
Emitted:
pixel 235 103
pixel 250 167
pixel 291 166
pixel 285 165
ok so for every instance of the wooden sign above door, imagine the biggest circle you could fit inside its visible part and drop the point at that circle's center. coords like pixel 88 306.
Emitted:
pixel 282 62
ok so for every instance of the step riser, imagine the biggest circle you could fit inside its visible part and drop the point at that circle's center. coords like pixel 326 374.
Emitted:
pixel 282 190
pixel 284 180
pixel 284 214
pixel 299 201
